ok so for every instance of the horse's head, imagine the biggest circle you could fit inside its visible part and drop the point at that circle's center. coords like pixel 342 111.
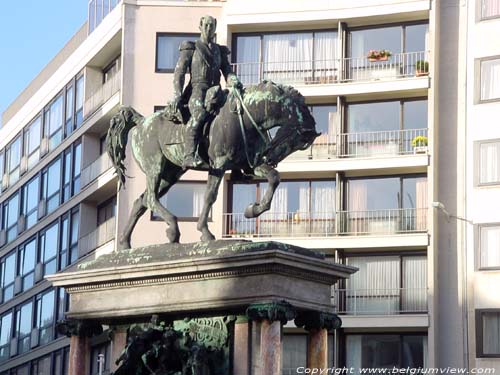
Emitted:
pixel 294 127
pixel 126 117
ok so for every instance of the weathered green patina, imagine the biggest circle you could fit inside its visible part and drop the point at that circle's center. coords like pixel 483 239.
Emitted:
pixel 273 311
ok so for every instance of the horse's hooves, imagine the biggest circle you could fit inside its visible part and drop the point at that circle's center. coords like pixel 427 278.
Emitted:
pixel 207 237
pixel 123 246
pixel 173 236
pixel 250 211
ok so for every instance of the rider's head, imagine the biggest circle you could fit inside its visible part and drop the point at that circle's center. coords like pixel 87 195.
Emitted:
pixel 208 24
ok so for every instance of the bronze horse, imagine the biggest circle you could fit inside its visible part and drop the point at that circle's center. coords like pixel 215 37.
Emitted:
pixel 238 139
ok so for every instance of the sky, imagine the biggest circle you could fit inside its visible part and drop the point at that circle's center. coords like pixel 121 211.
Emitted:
pixel 31 34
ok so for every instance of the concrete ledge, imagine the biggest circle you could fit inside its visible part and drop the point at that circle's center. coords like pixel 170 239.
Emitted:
pixel 385 321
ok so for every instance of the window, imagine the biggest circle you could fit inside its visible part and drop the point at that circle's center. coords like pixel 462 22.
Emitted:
pixel 106 211
pixel 488 333
pixel 48 249
pixel 385 351
pixel 326 122
pixel 75 225
pixel 2 164
pixel 61 362
pixel 167 50
pixel 27 260
pixel 489 163
pixel 5 336
pixel 62 304
pixel 295 352
pixel 98 10
pixel 51 179
pixel 24 325
pixel 104 350
pixel 185 200
pixel 69 239
pixel 489 79
pixel 70 106
pixel 489 246
pixel 41 366
pixel 490 9
pixel 32 137
pixel 111 70
pixel 8 276
pixel 14 160
pixel 10 217
pixel 72 169
pixel 54 122
pixel 30 197
pixel 77 164
pixel 21 370
pixel 79 101
pixel 45 316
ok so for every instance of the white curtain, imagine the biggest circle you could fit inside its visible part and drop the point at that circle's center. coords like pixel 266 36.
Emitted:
pixel 287 57
pixel 323 200
pixel 489 246
pixel 490 79
pixel 279 204
pixel 357 204
pixel 198 199
pixel 325 56
pixel 489 169
pixel 491 333
pixel 421 203
pixel 490 8
pixel 353 352
pixel 304 200
pixel 248 56
pixel 414 292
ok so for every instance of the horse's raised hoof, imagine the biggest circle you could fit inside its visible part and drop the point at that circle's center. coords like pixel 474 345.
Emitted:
pixel 207 236
pixel 123 245
pixel 251 211
pixel 173 235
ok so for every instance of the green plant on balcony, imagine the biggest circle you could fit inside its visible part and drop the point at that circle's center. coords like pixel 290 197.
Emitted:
pixel 422 68
pixel 382 55
pixel 419 144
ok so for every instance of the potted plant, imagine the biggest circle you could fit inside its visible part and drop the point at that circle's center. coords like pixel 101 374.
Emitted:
pixel 419 144
pixel 422 68
pixel 382 55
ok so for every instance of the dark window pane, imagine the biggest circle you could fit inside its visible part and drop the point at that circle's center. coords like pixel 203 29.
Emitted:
pixel 294 353
pixel 415 114
pixel 491 333
pixel 416 38
pixel 388 38
pixel 167 52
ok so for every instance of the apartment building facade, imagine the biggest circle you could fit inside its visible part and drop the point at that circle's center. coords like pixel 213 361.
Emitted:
pixel 375 76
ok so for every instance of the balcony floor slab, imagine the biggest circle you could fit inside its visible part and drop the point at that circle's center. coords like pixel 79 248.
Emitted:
pixel 385 321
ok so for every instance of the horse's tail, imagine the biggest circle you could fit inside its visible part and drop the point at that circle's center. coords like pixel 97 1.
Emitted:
pixel 116 140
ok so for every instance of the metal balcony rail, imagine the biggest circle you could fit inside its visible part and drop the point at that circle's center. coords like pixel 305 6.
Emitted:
pixel 283 224
pixel 102 94
pixel 390 142
pixel 324 224
pixel 104 233
pixel 383 222
pixel 380 301
pixel 97 168
pixel 351 69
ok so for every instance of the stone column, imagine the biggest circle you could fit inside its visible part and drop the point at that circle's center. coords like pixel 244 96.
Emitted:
pixel 80 333
pixel 317 324
pixel 241 362
pixel 272 316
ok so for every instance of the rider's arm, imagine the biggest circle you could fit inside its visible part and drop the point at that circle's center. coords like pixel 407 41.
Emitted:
pixel 186 54
pixel 226 68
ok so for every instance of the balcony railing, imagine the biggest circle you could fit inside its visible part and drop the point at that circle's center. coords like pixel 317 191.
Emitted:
pixel 325 224
pixel 318 72
pixel 97 168
pixel 104 233
pixel 102 94
pixel 380 301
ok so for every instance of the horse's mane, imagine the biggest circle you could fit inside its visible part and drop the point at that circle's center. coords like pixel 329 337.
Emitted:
pixel 279 91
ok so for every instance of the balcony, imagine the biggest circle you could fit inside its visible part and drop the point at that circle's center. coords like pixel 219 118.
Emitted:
pixel 327 224
pixel 337 71
pixel 102 94
pixel 380 301
pixel 104 233
pixel 97 168
pixel 363 145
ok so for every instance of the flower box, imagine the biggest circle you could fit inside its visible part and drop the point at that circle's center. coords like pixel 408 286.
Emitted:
pixel 420 150
pixel 375 59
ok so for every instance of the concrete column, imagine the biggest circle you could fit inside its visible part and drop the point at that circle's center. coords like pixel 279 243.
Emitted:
pixel 270 347
pixel 255 360
pixel 241 361
pixel 317 350
pixel 79 355
pixel 117 345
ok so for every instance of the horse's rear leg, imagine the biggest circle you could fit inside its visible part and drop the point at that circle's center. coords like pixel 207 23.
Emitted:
pixel 273 179
pixel 138 209
pixel 213 183
pixel 155 185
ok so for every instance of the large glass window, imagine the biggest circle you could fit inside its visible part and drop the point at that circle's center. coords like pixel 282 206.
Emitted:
pixel 489 246
pixel 54 122
pixel 167 50
pixel 488 333
pixel 27 260
pixel 70 109
pixel 32 137
pixel 77 164
pixel 383 351
pixel 10 217
pixel 75 225
pixel 5 336
pixel 14 161
pixel 489 163
pixel 2 164
pixel 48 249
pixel 69 239
pixel 31 193
pixel 185 199
pixel 41 366
pixel 490 79
pixel 79 101
pixel 106 211
pixel 8 276
pixel 24 325
pixel 45 316
pixel 490 9
pixel 326 122
pixel 51 178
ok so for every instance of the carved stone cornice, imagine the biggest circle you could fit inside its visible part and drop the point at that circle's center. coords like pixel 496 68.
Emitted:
pixel 273 311
pixel 315 320
pixel 80 328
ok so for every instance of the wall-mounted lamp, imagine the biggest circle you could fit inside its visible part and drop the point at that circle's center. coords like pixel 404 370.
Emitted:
pixel 440 206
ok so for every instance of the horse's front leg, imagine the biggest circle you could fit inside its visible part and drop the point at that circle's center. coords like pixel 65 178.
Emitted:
pixel 273 179
pixel 213 183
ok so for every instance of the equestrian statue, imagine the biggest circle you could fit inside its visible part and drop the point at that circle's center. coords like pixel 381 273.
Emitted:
pixel 247 131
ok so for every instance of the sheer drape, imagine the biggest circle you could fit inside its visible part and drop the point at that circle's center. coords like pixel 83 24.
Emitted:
pixel 294 353
pixel 421 203
pixel 325 57
pixel 491 333
pixel 489 168
pixel 490 8
pixel 198 199
pixel 414 293
pixel 357 204
pixel 490 246
pixel 490 79
pixel 248 52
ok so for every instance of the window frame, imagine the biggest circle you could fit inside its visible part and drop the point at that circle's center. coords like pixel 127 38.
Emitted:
pixel 24 201
pixel 478 79
pixel 61 95
pixel 42 247
pixel 3 286
pixel 11 331
pixel 37 315
pixel 8 156
pixel 44 182
pixel 478 243
pixel 38 150
pixel 477 163
pixel 479 333
pixel 479 13
pixel 159 35
pixel 20 253
pixel 5 215
pixel 18 320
